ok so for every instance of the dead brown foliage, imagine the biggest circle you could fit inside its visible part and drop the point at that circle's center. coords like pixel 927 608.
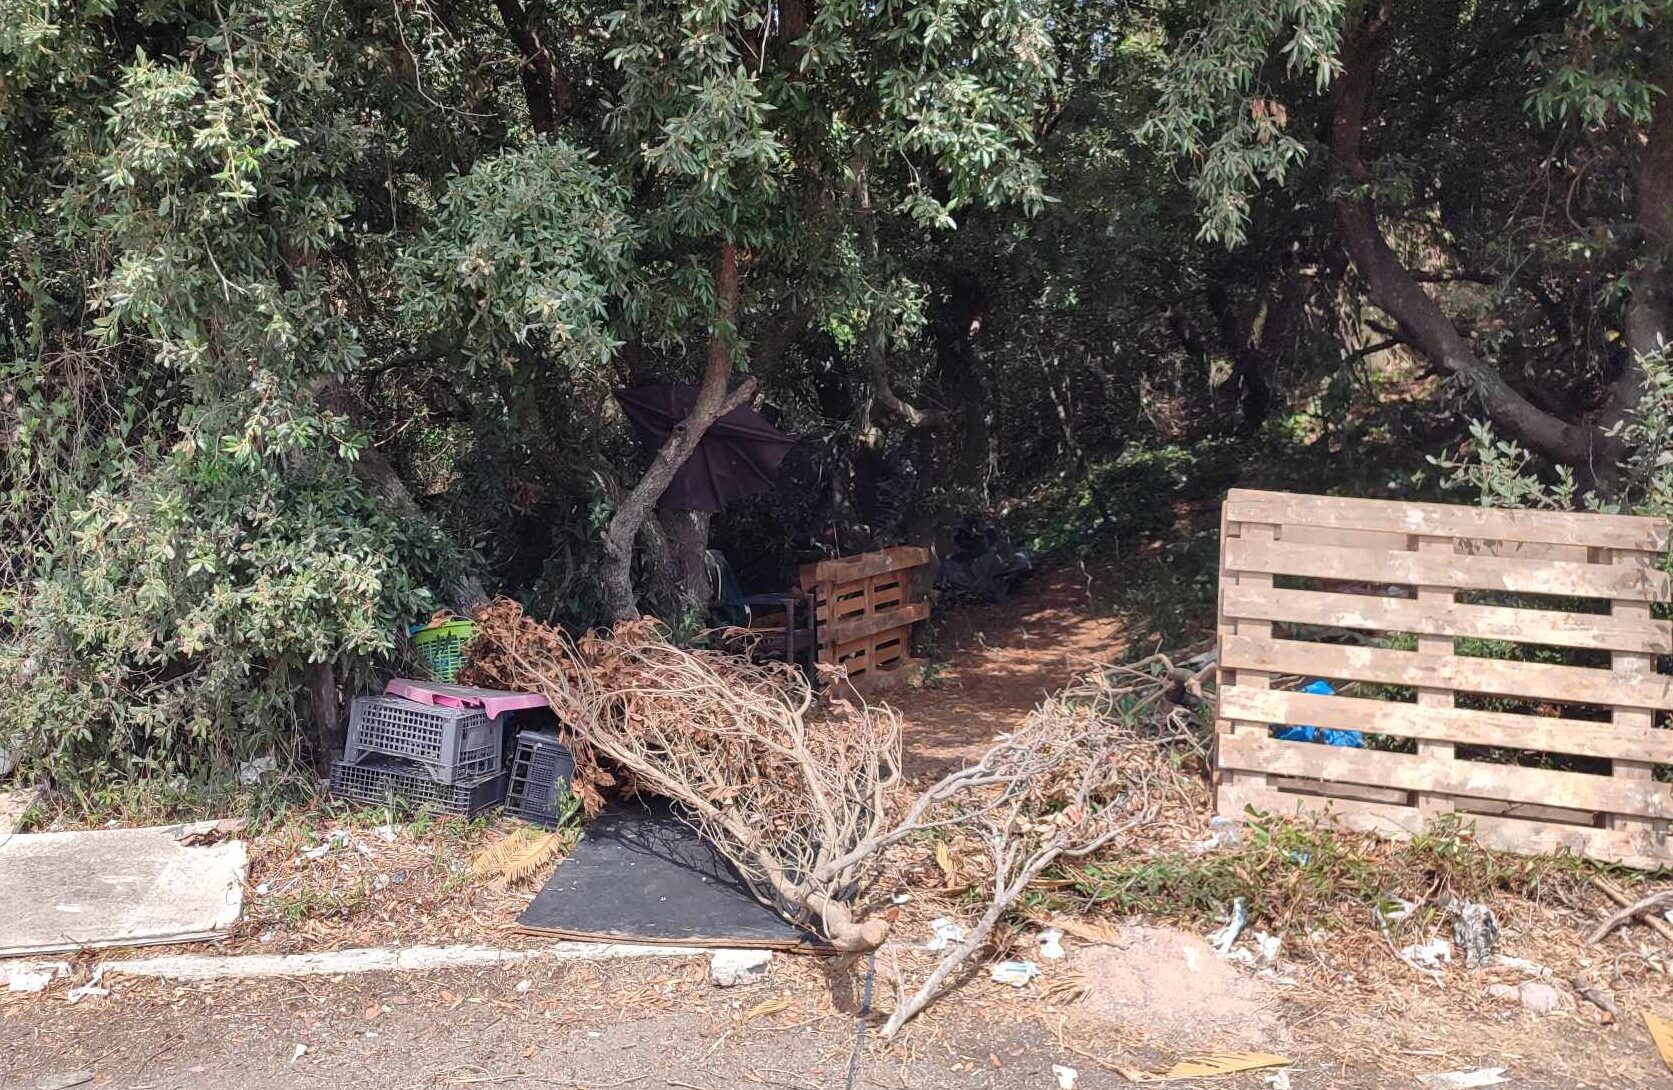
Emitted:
pixel 799 796
pixel 795 796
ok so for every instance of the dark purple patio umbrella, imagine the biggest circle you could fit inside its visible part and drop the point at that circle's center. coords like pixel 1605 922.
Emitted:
pixel 738 456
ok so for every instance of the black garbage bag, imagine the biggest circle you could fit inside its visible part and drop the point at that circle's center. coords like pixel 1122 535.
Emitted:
pixel 982 563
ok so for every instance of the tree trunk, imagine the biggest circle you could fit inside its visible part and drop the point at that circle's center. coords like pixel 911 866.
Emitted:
pixel 877 334
pixel 712 403
pixel 688 537
pixel 1391 285
pixel 958 373
pixel 546 88
pixel 1649 316
pixel 325 713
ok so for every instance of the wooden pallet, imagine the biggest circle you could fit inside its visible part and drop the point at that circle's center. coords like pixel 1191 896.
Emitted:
pixel 864 609
pixel 1535 755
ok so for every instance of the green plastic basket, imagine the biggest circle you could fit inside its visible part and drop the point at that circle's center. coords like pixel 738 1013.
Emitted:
pixel 442 647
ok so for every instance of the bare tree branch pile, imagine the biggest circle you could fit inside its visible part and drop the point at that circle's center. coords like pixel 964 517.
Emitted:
pixel 797 802
pixel 799 796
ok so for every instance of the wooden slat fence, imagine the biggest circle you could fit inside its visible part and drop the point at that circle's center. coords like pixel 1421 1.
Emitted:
pixel 1498 664
pixel 864 609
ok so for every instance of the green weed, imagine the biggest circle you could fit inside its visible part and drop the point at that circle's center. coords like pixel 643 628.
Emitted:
pixel 1297 876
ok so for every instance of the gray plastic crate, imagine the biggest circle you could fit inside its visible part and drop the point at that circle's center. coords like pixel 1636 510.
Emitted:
pixel 406 785
pixel 541 767
pixel 455 745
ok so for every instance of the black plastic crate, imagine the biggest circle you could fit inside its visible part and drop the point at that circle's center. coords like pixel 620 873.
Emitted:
pixel 541 770
pixel 453 745
pixel 407 785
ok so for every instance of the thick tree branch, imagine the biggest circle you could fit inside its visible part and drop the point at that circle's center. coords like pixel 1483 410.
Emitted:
pixel 713 402
pixel 877 334
pixel 1391 286
pixel 546 87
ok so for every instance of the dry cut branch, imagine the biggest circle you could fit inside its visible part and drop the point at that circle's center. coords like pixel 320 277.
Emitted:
pixel 797 800
pixel 1074 779
pixel 798 796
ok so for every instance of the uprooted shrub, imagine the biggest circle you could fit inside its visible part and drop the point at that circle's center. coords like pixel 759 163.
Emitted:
pixel 798 806
pixel 798 796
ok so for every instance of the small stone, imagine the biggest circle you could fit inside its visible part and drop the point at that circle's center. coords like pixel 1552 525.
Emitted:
pixel 1539 997
pixel 1504 991
pixel 63 1081
pixel 729 968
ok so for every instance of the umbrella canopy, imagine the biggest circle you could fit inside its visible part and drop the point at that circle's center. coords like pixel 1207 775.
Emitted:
pixel 738 456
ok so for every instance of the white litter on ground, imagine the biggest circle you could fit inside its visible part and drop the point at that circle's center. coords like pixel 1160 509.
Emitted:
pixel 1465 1080
pixel 26 982
pixel 1434 954
pixel 729 968
pixel 32 976
pixel 89 989
pixel 943 933
pixel 1014 973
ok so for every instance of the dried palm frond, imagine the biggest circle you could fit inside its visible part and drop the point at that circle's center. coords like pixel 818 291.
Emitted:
pixel 1097 932
pixel 520 855
pixel 1068 988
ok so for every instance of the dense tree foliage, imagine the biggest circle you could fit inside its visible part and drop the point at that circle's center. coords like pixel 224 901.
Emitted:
pixel 310 313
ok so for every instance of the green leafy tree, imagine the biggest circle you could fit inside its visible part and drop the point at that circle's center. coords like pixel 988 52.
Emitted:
pixel 1383 83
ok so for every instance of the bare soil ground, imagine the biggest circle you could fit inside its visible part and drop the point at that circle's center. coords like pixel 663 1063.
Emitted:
pixel 999 660
pixel 657 1024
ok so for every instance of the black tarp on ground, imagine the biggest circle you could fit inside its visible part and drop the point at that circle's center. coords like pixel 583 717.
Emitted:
pixel 641 875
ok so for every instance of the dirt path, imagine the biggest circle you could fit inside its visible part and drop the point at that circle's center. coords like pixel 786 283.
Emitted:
pixel 1000 660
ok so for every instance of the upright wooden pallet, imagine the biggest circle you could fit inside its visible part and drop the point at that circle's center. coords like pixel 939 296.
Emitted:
pixel 1534 754
pixel 864 609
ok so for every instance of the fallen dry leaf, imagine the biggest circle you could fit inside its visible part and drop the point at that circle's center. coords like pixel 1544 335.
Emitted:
pixel 768 1006
pixel 1217 1063
pixel 1661 1032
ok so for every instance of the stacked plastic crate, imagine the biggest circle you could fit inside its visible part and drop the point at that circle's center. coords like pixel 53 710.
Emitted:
pixel 421 757
pixel 541 770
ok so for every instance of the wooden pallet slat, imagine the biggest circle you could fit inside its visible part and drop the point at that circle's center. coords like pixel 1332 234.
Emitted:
pixel 1551 577
pixel 1461 673
pixel 1547 627
pixel 1449 520
pixel 1502 834
pixel 1446 775
pixel 850 569
pixel 1464 726
pixel 1400 570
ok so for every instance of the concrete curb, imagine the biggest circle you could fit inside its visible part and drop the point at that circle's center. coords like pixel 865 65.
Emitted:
pixel 205 967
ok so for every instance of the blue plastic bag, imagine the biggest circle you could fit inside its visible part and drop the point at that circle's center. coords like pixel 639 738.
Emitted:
pixel 1352 739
